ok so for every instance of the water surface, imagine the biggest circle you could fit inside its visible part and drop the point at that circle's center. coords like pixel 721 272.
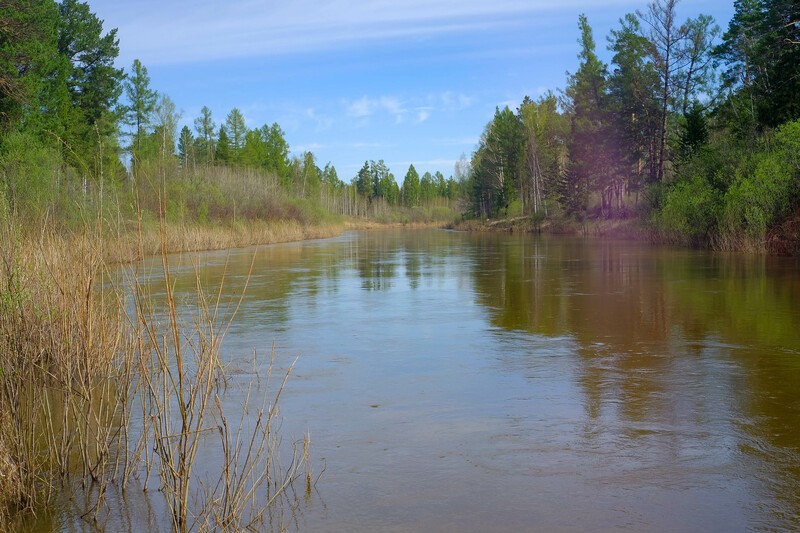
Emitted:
pixel 457 382
pixel 461 382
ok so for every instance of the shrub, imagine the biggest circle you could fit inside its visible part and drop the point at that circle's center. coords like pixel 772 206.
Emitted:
pixel 758 200
pixel 690 210
pixel 28 173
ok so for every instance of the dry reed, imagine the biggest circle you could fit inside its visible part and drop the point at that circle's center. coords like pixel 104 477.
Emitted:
pixel 76 365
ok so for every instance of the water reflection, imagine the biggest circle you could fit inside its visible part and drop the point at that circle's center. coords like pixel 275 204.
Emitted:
pixel 680 353
pixel 478 382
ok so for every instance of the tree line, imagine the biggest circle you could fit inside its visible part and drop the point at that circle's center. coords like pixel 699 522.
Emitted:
pixel 77 124
pixel 688 126
pixel 682 109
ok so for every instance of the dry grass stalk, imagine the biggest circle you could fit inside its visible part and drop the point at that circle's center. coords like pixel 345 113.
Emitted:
pixel 74 368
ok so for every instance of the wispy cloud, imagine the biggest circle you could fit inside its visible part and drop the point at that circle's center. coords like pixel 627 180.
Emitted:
pixel 417 110
pixel 451 101
pixel 179 32
pixel 366 107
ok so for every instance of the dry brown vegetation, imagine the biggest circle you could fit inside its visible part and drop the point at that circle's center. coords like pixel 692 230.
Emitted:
pixel 86 349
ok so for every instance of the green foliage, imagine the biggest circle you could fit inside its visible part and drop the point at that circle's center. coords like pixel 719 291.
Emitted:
pixel 755 201
pixel 141 104
pixel 29 65
pixel 427 188
pixel 28 173
pixel 590 153
pixel 276 159
pixel 762 57
pixel 546 131
pixel 236 131
pixel 186 147
pixel 788 145
pixel 691 209
pixel 206 132
pixel 222 153
pixel 497 164
pixel 93 85
pixel 694 131
pixel 410 190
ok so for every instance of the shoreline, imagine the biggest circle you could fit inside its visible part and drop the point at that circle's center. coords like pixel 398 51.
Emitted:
pixel 782 240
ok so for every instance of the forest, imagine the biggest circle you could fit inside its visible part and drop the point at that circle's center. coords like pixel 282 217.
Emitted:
pixel 689 129
pixel 692 130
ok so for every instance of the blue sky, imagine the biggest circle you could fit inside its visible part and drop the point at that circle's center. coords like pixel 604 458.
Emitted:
pixel 411 81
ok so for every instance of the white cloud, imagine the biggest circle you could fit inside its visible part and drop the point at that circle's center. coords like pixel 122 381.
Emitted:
pixel 366 107
pixel 362 107
pixel 423 115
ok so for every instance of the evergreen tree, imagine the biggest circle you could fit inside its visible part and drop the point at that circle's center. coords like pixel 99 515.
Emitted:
pixel 410 189
pixel 693 132
pixel 236 131
pixel 29 64
pixel 206 132
pixel 222 153
pixel 330 177
pixel 92 81
pixel 761 49
pixel 363 180
pixel 186 148
pixel 311 172
pixel 427 188
pixel 255 149
pixel 141 104
pixel 633 103
pixel 276 158
pixel 588 145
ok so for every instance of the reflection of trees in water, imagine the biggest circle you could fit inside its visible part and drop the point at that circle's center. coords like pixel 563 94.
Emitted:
pixel 383 257
pixel 674 346
pixel 269 277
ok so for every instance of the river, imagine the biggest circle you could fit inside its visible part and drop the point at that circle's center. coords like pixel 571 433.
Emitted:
pixel 485 382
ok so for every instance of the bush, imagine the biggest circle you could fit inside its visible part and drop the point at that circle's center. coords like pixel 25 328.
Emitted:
pixel 28 173
pixel 758 200
pixel 690 210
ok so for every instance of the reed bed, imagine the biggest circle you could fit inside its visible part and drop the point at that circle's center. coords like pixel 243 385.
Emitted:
pixel 195 238
pixel 104 380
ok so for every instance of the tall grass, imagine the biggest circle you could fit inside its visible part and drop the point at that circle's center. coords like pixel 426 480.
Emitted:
pixel 103 381
pixel 60 334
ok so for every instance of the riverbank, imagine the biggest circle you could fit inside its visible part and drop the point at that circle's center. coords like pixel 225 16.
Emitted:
pixel 782 240
pixel 632 229
pixel 178 238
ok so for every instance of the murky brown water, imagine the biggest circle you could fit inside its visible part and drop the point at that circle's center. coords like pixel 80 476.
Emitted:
pixel 458 382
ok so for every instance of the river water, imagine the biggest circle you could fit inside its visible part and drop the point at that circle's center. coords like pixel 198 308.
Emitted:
pixel 484 382
pixel 462 382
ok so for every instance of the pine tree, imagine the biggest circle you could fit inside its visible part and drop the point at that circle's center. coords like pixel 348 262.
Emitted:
pixel 410 189
pixel 206 131
pixel 141 104
pixel 589 154
pixel 222 154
